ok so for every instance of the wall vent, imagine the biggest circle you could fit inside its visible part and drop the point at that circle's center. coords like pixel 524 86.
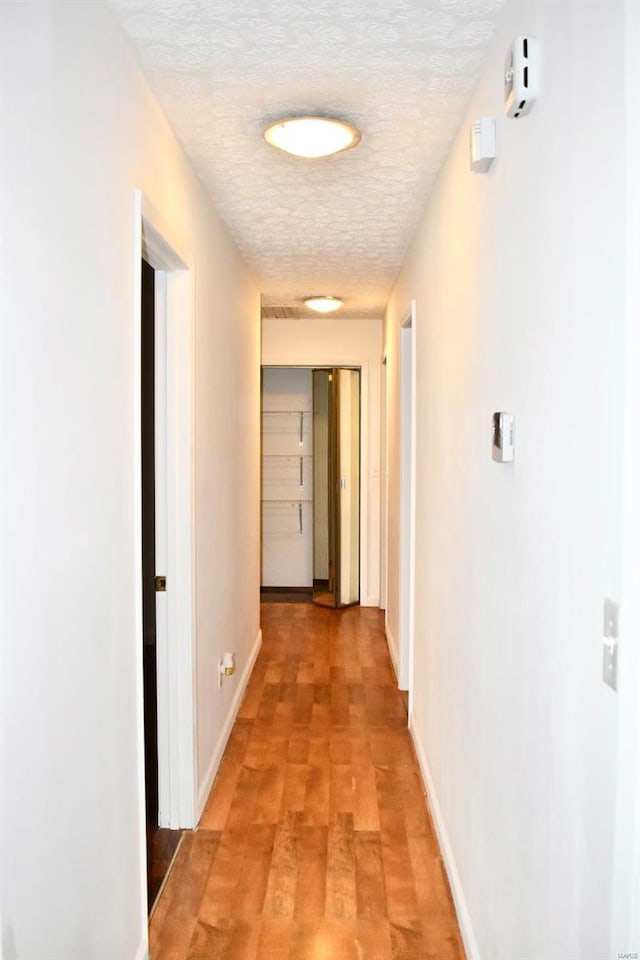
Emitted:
pixel 280 313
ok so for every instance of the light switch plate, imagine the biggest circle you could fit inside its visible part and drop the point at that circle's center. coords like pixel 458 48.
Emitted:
pixel 610 643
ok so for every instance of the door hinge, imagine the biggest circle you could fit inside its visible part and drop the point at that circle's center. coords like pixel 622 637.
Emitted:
pixel 161 584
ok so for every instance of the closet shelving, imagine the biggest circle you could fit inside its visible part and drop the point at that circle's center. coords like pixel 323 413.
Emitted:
pixel 287 422
pixel 286 472
pixel 282 468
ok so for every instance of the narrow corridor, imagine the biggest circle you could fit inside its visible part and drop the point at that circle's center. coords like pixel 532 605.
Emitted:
pixel 316 843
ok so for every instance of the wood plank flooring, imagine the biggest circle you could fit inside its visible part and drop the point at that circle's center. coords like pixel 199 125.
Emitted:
pixel 161 847
pixel 316 842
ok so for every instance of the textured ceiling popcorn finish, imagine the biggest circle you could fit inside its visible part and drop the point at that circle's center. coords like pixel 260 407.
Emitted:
pixel 401 71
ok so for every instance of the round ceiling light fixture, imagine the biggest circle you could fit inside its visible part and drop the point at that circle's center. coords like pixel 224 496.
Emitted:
pixel 312 136
pixel 324 304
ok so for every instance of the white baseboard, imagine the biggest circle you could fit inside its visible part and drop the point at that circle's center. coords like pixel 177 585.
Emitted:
pixel 370 602
pixel 393 650
pixel 459 899
pixel 205 787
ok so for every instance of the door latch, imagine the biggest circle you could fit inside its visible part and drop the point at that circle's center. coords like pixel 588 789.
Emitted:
pixel 161 584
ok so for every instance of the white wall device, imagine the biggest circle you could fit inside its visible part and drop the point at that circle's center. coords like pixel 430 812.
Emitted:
pixel 521 77
pixel 226 666
pixel 503 437
pixel 482 144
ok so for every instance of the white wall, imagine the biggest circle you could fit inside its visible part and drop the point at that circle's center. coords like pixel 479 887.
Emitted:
pixel 519 284
pixel 81 131
pixel 338 342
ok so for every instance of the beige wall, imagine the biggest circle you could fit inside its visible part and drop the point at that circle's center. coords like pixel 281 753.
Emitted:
pixel 81 131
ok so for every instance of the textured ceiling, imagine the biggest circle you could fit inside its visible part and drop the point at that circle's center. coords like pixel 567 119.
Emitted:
pixel 401 70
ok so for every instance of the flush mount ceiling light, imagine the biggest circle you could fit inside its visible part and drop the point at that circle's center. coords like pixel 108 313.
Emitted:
pixel 312 136
pixel 324 304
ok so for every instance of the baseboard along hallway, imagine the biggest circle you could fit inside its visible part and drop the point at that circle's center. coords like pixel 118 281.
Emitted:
pixel 316 841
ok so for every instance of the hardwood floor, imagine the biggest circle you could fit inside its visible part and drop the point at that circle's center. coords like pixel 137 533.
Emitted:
pixel 316 843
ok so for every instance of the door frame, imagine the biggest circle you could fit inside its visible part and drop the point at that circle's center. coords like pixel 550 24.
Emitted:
pixel 338 423
pixel 174 412
pixel 384 486
pixel 363 367
pixel 407 499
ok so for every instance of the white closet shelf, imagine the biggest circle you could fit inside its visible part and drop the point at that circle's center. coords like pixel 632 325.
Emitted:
pixel 291 500
pixel 300 505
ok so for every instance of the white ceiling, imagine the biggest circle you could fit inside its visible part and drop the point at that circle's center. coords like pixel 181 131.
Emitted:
pixel 400 70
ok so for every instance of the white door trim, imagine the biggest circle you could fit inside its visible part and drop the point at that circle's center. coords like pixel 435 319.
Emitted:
pixel 384 486
pixel 174 518
pixel 407 499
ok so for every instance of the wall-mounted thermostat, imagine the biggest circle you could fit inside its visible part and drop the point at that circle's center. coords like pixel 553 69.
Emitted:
pixel 521 77
pixel 482 144
pixel 503 437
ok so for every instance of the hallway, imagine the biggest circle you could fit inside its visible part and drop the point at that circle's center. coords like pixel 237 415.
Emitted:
pixel 315 841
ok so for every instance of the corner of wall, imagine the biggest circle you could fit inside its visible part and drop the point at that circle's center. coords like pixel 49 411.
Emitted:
pixel 462 909
pixel 207 782
pixel 142 953
pixel 393 650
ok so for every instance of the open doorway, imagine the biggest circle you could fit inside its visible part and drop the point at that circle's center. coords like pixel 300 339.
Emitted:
pixel 287 485
pixel 162 842
pixel 165 641
pixel 336 489
pixel 311 485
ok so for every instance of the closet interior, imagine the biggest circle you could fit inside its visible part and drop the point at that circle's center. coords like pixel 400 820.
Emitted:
pixel 311 484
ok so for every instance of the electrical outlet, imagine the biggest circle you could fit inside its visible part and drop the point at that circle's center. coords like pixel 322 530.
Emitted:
pixel 610 636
